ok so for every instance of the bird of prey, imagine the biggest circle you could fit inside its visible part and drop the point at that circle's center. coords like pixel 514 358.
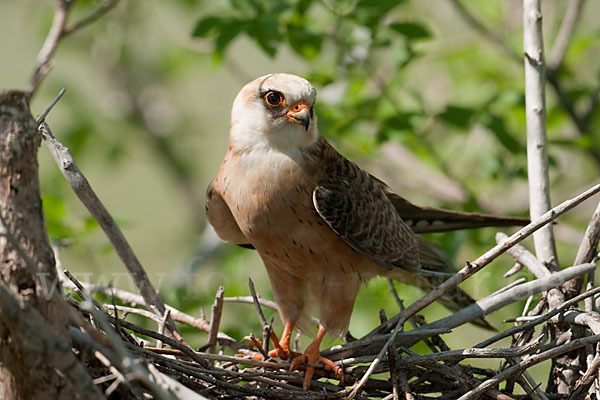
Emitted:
pixel 321 224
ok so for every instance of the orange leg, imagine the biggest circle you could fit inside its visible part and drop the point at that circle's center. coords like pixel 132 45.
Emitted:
pixel 312 355
pixel 281 348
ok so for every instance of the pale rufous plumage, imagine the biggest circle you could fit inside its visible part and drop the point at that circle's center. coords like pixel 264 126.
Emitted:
pixel 321 225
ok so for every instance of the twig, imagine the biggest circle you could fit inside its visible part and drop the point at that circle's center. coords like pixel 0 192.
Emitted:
pixel 486 258
pixel 458 355
pixel 260 346
pixel 515 268
pixel 132 310
pixel 404 386
pixel 586 252
pixel 539 320
pixel 161 325
pixel 24 319
pixel 395 373
pixel 581 121
pixel 121 358
pixel 271 364
pixel 523 257
pixel 169 384
pixel 47 111
pixel 377 360
pixel 563 38
pixel 586 380
pixel 537 143
pixel 215 320
pixel 533 360
pixel 44 58
pixel 259 312
pixel 57 32
pixel 263 302
pixel 250 300
pixel 99 12
pixel 88 197
pixel 483 30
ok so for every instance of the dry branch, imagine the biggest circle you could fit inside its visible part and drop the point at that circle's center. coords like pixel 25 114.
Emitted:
pixel 88 197
pixel 49 347
pixel 487 257
pixel 537 143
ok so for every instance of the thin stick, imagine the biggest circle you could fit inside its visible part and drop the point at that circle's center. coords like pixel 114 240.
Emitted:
pixel 215 319
pixel 486 258
pixel 484 31
pixel 104 8
pixel 263 302
pixel 537 143
pixel 45 114
pixel 563 38
pixel 587 251
pixel 533 360
pixel 525 258
pixel 261 316
pixel 377 360
pixel 22 318
pixel 250 300
pixel 587 379
pixel 473 352
pixel 44 58
pixel 539 320
pixel 88 197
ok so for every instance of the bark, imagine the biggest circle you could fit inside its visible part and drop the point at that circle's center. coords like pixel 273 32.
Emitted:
pixel 27 264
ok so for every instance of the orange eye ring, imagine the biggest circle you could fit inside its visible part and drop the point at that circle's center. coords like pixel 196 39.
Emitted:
pixel 273 99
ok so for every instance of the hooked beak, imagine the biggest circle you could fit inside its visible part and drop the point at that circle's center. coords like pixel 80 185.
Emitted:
pixel 300 114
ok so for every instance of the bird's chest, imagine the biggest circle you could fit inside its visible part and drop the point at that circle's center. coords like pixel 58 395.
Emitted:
pixel 269 196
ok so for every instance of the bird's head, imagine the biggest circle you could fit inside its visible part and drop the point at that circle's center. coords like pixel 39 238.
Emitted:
pixel 274 111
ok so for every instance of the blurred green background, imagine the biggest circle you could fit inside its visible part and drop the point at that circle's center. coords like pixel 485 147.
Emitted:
pixel 405 88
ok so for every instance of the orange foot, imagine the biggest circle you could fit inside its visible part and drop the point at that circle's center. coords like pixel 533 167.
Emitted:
pixel 312 355
pixel 281 348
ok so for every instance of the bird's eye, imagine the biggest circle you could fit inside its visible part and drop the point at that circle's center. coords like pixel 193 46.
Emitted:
pixel 273 98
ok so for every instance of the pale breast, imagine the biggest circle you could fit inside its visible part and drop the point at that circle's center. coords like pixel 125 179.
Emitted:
pixel 270 198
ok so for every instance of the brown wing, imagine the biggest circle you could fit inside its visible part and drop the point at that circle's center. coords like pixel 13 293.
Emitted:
pixel 357 209
pixel 430 219
pixel 220 217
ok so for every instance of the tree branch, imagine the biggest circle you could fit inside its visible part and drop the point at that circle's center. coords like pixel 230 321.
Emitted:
pixel 564 34
pixel 486 258
pixel 88 197
pixel 537 143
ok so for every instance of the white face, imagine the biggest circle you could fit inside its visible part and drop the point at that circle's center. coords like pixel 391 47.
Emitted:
pixel 274 111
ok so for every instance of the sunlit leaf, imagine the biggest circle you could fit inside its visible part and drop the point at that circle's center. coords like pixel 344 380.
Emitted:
pixel 498 127
pixel 460 117
pixel 411 30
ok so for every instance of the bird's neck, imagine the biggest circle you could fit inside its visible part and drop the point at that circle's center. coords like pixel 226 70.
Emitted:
pixel 291 142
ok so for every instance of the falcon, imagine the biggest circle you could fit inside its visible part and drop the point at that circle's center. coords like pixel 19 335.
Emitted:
pixel 321 224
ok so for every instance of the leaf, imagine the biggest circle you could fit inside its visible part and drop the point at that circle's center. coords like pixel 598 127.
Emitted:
pixel 411 30
pixel 247 7
pixel 498 127
pixel 370 12
pixel 304 42
pixel 266 33
pixel 226 35
pixel 460 117
pixel 208 26
pixel 397 125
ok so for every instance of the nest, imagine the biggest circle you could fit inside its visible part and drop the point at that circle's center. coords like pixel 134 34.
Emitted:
pixel 129 361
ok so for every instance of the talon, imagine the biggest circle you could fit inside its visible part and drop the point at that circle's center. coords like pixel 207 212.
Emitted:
pixel 313 356
pixel 249 339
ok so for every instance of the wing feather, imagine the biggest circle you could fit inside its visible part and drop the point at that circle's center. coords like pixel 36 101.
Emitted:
pixel 357 209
